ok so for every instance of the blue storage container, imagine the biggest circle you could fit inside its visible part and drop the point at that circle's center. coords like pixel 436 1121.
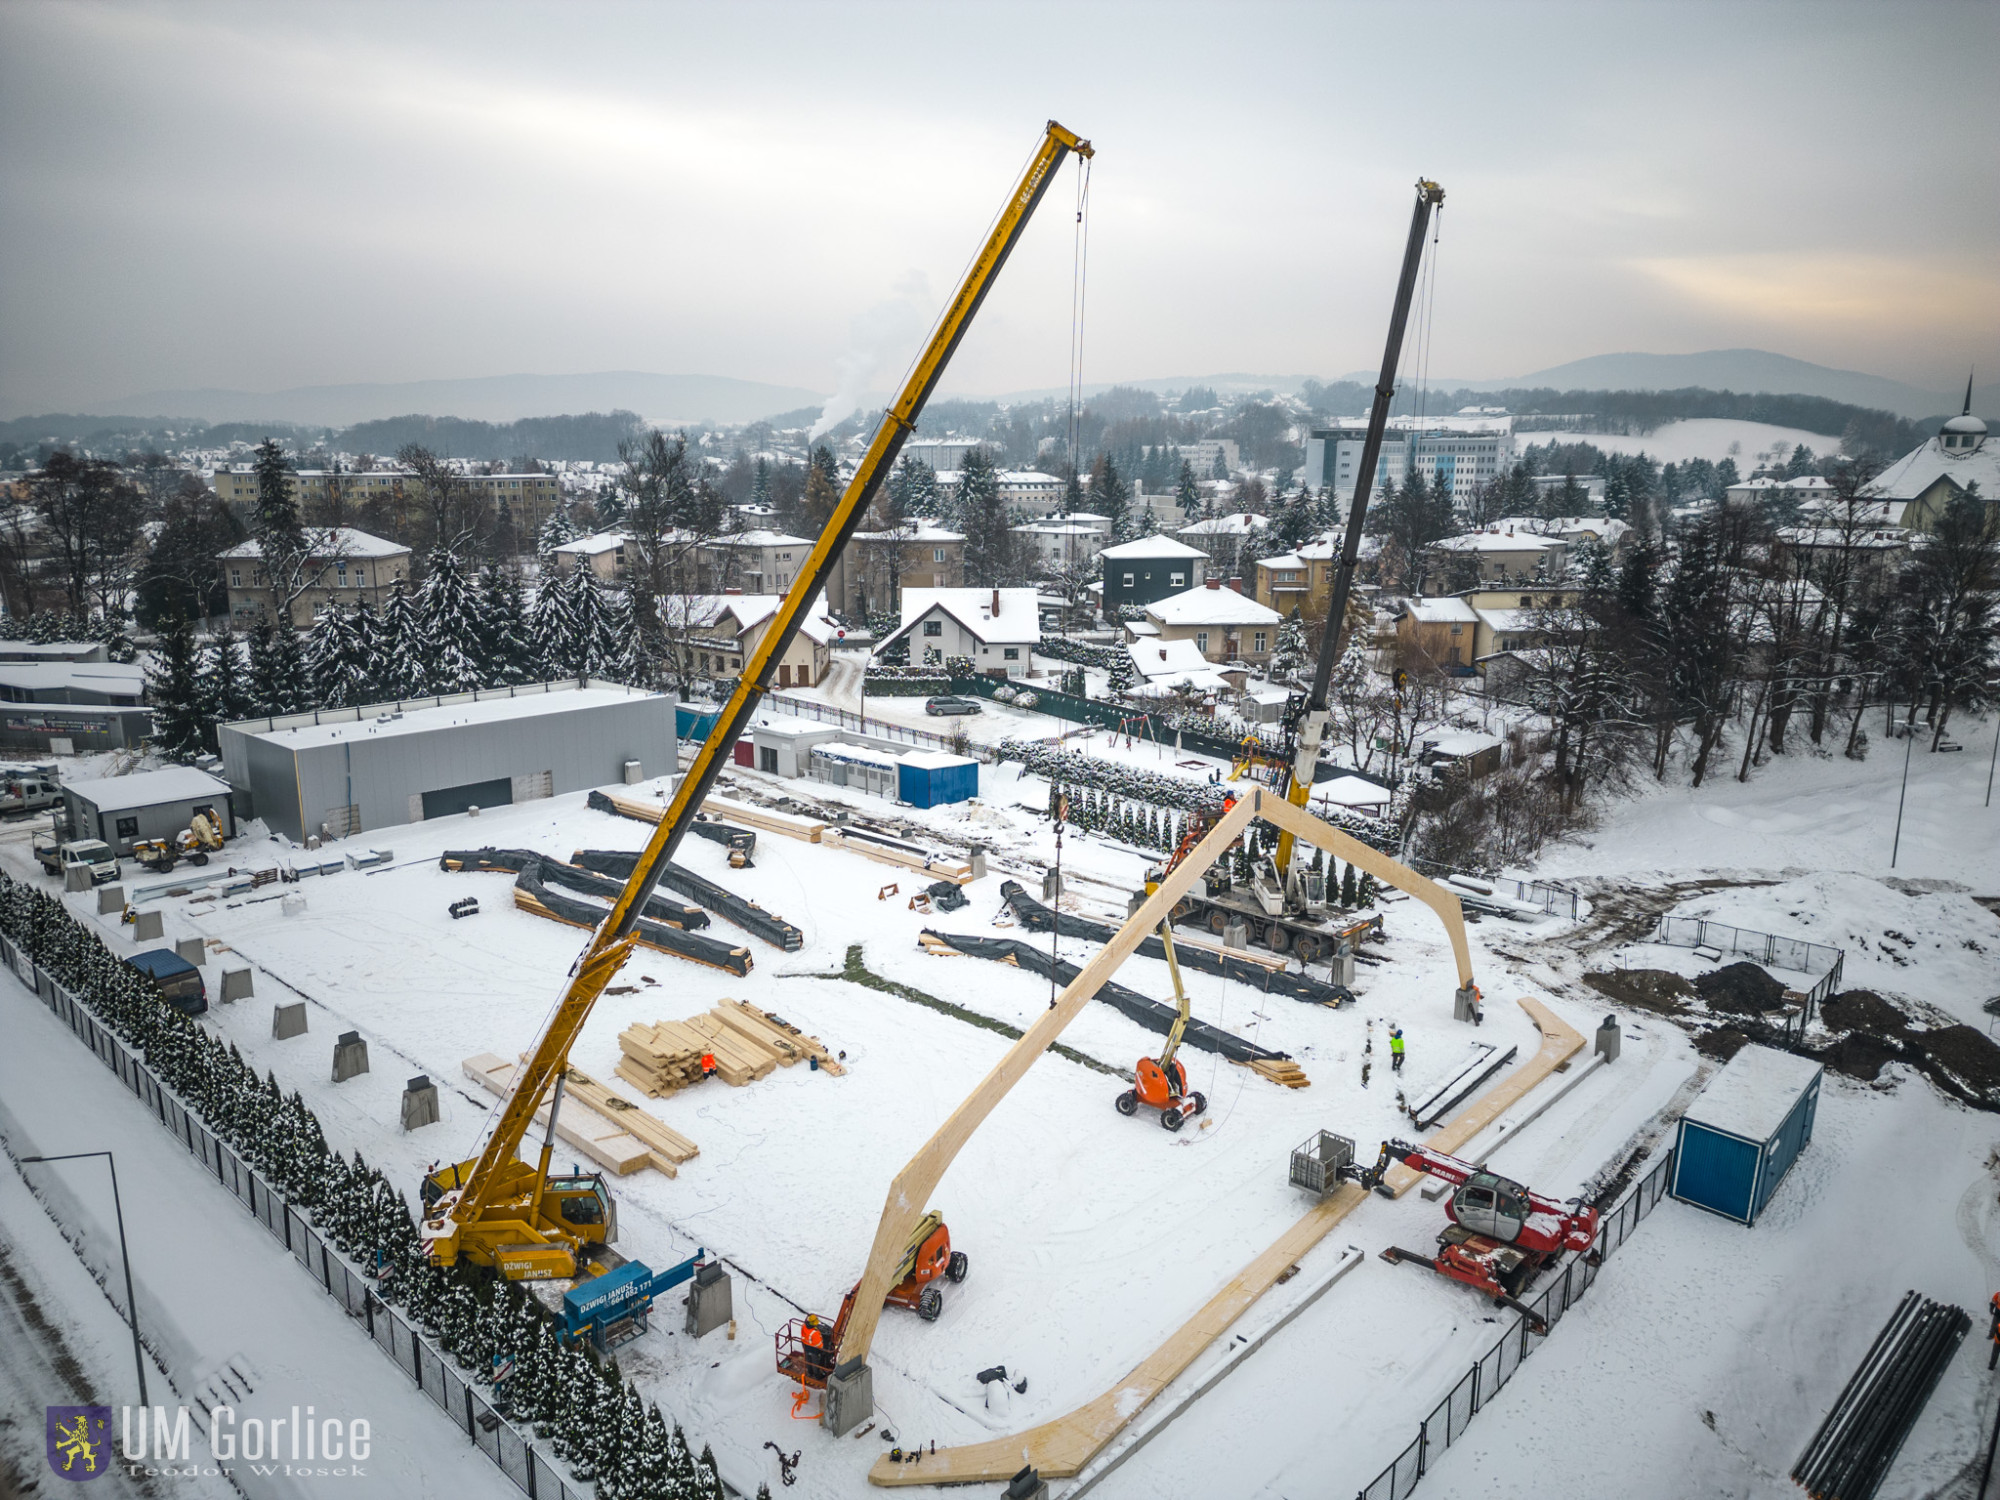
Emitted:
pixel 694 723
pixel 929 778
pixel 1741 1135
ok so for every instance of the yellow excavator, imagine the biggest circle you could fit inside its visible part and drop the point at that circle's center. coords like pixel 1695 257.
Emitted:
pixel 499 1211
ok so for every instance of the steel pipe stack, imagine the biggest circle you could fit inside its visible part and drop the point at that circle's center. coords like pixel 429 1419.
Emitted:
pixel 1850 1455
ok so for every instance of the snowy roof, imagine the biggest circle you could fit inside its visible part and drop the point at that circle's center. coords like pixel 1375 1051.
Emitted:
pixel 341 541
pixel 590 546
pixel 761 538
pixel 124 678
pixel 1018 478
pixel 1510 619
pixel 752 610
pixel 1239 524
pixel 1151 546
pixel 1019 621
pixel 1499 541
pixel 916 531
pixel 1462 744
pixel 1916 471
pixel 426 720
pixel 936 760
pixel 1353 791
pixel 1268 692
pixel 1155 659
pixel 848 750
pixel 1139 627
pixel 1203 605
pixel 148 788
pixel 1056 527
pixel 1447 611
pixel 1753 1092
pixel 53 650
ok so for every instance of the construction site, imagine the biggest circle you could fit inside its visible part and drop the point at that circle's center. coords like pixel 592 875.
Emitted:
pixel 898 1142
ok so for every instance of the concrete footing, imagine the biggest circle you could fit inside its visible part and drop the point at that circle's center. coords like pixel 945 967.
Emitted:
pixel 194 950
pixel 350 1056
pixel 850 1398
pixel 1608 1035
pixel 110 898
pixel 420 1101
pixel 76 878
pixel 1465 1005
pixel 148 927
pixel 288 1020
pixel 1027 1485
pixel 710 1303
pixel 237 984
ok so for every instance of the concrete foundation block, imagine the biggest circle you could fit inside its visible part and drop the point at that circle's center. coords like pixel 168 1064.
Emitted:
pixel 710 1302
pixel 850 1398
pixel 350 1056
pixel 1343 967
pixel 420 1101
pixel 288 1020
pixel 1052 884
pixel 110 898
pixel 76 878
pixel 1236 935
pixel 148 927
pixel 194 950
pixel 292 904
pixel 237 984
pixel 978 862
pixel 1608 1037
pixel 1465 1005
pixel 1028 1484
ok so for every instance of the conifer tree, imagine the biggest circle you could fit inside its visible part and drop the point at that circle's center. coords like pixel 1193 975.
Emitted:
pixel 225 689
pixel 332 659
pixel 552 628
pixel 556 530
pixel 1187 492
pixel 400 660
pixel 449 616
pixel 504 655
pixel 174 684
pixel 1350 889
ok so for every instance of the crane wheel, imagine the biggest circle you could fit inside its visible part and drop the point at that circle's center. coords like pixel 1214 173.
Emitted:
pixel 1218 921
pixel 1127 1102
pixel 1309 950
pixel 199 857
pixel 1171 1119
pixel 957 1266
pixel 930 1302
pixel 1200 1103
pixel 1277 938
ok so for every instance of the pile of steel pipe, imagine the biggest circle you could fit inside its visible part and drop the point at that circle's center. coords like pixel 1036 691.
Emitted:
pixel 1850 1455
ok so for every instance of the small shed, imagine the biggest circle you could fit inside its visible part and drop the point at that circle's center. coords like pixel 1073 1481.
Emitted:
pixel 122 810
pixel 929 778
pixel 1743 1132
pixel 862 767
pixel 784 747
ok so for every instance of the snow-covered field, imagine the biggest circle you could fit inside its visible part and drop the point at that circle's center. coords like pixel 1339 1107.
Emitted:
pixel 1092 1236
pixel 1712 438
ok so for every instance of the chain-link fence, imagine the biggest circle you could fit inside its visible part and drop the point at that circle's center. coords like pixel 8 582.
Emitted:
pixel 1767 949
pixel 1492 1370
pixel 1552 899
pixel 413 1352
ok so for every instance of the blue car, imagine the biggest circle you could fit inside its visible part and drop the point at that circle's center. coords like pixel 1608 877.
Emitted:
pixel 179 981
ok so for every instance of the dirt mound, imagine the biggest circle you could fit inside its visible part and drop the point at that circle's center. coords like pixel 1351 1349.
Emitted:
pixel 1966 1053
pixel 1721 1044
pixel 1863 1010
pixel 1861 1056
pixel 1742 988
pixel 1657 990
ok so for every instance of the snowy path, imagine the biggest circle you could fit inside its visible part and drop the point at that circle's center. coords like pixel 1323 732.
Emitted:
pixel 214 1289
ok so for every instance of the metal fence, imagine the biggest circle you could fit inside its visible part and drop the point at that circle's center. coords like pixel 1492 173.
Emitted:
pixel 1552 899
pixel 412 1351
pixel 1492 1370
pixel 826 713
pixel 1766 948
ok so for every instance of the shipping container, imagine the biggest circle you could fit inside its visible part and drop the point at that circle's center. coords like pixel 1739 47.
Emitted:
pixel 931 778
pixel 1743 1132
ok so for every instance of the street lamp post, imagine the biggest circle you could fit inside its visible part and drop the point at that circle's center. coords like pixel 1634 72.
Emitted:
pixel 131 1302
pixel 1909 742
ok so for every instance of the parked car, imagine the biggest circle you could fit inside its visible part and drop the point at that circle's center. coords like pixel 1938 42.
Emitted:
pixel 180 982
pixel 949 705
pixel 57 859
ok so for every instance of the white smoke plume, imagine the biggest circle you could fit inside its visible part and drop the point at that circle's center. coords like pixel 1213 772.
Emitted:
pixel 885 332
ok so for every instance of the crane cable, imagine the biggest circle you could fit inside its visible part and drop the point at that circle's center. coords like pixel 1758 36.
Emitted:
pixel 1079 285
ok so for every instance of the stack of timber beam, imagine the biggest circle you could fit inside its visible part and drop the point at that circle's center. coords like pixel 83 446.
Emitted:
pixel 747 1043
pixel 1280 1070
pixel 610 1145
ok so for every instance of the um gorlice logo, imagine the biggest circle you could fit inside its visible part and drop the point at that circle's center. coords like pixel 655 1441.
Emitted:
pixel 79 1441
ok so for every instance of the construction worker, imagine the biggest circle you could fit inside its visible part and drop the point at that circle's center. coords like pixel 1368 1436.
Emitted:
pixel 1993 1334
pixel 708 1065
pixel 817 1357
pixel 1395 1048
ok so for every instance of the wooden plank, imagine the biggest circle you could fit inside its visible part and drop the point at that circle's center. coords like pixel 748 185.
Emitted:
pixel 627 1116
pixel 605 1144
pixel 812 1044
pixel 1062 1447
pixel 958 872
pixel 770 820
pixel 788 1052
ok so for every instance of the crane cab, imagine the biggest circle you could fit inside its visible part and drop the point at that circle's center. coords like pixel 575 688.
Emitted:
pixel 1495 1207
pixel 524 1235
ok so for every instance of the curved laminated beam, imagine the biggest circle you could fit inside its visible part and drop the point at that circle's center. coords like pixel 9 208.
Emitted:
pixel 910 1193
pixel 1303 825
pixel 1062 1447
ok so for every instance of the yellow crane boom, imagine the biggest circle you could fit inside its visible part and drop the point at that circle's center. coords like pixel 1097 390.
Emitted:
pixel 499 1211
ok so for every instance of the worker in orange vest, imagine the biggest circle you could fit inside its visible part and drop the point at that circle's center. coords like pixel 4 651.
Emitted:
pixel 816 1353
pixel 1993 1334
pixel 708 1065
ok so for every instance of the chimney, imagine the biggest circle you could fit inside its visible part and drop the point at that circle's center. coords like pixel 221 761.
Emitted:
pixel 736 592
pixel 1214 583
pixel 1237 584
pixel 996 604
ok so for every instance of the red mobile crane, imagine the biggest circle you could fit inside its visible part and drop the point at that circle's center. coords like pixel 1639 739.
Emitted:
pixel 1501 1234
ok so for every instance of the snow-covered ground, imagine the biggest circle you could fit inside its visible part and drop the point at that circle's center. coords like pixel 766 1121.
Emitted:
pixel 1712 438
pixel 1092 1236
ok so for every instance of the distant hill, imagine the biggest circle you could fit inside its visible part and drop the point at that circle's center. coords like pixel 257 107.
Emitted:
pixel 492 398
pixel 1751 371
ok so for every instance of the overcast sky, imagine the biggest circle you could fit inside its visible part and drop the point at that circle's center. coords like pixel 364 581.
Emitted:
pixel 265 196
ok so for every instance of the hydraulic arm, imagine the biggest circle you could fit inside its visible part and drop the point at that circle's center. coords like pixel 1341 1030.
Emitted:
pixel 498 1210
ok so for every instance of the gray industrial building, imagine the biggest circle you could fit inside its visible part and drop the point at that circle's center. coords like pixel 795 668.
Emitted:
pixel 337 772
pixel 121 810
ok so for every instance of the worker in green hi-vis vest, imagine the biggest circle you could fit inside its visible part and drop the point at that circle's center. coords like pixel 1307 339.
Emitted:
pixel 1395 1048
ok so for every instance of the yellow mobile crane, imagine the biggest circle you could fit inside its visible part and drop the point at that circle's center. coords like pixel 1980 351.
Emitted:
pixel 500 1211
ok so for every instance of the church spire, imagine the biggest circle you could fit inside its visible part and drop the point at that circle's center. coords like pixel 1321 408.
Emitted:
pixel 1968 393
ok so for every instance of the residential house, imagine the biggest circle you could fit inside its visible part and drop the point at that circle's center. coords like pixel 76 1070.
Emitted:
pixel 997 629
pixel 1301 579
pixel 1227 540
pixel 719 631
pixel 1145 571
pixel 603 554
pixel 1498 554
pixel 1224 625
pixel 1437 632
pixel 1767 489
pixel 529 499
pixel 343 566
pixel 1172 666
pixel 756 562
pixel 871 572
pixel 1063 542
